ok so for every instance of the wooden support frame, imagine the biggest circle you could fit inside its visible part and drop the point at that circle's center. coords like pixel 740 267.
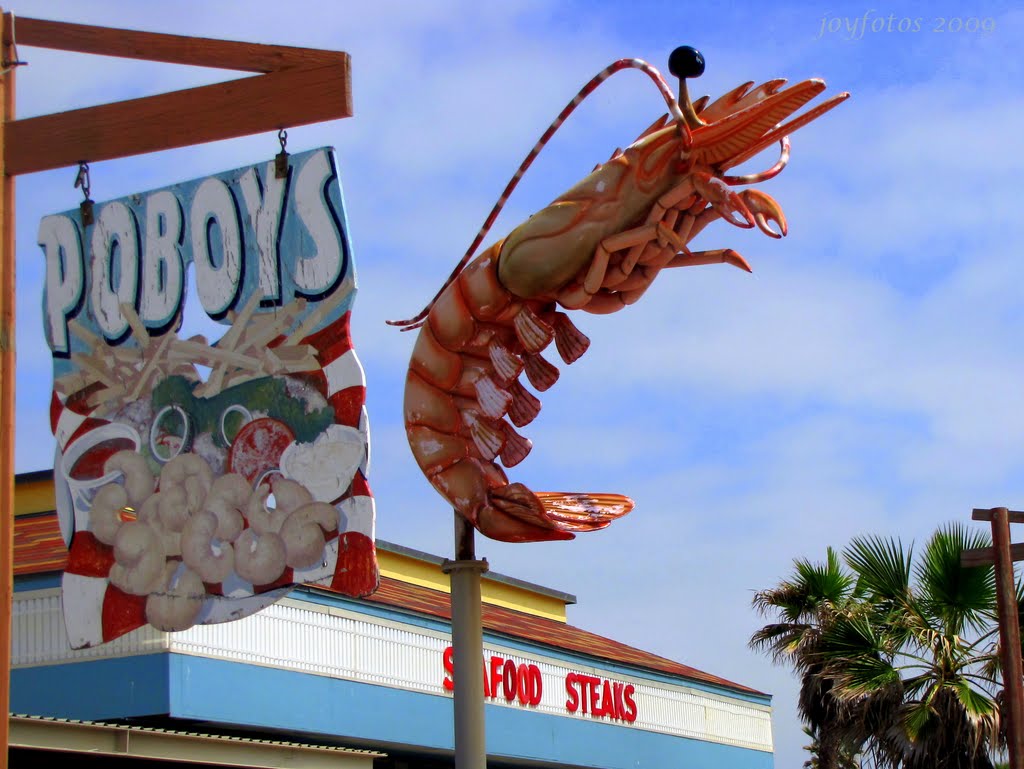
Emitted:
pixel 292 87
pixel 1002 555
pixel 297 86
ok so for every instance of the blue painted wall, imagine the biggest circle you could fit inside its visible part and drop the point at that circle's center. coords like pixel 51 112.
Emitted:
pixel 235 693
pixel 94 690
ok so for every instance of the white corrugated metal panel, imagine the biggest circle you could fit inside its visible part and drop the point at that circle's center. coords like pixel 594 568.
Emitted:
pixel 38 635
pixel 308 638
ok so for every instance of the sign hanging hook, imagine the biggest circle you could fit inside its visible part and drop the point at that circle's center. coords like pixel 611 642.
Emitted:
pixel 9 64
pixel 82 180
pixel 281 159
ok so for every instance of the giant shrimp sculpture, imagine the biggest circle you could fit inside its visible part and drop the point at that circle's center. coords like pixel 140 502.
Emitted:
pixel 596 248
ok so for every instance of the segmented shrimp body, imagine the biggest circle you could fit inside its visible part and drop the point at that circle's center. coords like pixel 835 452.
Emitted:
pixel 463 381
pixel 597 248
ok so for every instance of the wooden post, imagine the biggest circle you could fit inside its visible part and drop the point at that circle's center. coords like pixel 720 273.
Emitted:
pixel 1009 636
pixel 1002 555
pixel 468 649
pixel 7 377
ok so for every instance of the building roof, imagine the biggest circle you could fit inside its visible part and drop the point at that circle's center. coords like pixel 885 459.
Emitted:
pixel 38 545
pixel 181 747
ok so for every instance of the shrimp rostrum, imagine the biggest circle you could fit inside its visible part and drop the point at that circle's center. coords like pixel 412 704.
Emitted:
pixel 595 248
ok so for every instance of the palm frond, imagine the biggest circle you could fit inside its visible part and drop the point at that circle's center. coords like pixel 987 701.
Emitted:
pixel 782 640
pixel 812 589
pixel 957 597
pixel 825 582
pixel 850 637
pixel 881 566
pixel 917 717
pixel 976 703
pixel 864 676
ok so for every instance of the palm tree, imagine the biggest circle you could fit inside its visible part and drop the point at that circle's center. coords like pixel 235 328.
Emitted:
pixel 843 760
pixel 807 604
pixel 931 639
pixel 902 664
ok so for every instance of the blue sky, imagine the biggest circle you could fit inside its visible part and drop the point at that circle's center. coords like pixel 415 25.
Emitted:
pixel 866 378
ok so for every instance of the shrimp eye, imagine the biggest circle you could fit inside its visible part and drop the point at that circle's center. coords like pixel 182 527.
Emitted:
pixel 685 62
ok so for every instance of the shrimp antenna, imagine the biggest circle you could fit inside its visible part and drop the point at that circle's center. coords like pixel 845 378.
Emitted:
pixel 686 62
pixel 678 115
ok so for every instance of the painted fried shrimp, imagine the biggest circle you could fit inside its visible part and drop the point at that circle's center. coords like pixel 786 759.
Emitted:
pixel 138 559
pixel 149 514
pixel 191 474
pixel 303 533
pixel 262 518
pixel 178 602
pixel 105 515
pixel 209 557
pixel 226 500
pixel 259 558
pixel 288 496
pixel 138 480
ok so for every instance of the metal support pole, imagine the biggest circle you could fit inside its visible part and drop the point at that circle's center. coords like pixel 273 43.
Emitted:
pixel 468 649
pixel 1009 636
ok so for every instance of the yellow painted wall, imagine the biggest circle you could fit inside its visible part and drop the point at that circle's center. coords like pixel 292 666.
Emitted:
pixel 408 568
pixel 33 496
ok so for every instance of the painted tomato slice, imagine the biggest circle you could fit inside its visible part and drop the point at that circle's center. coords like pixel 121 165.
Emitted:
pixel 258 446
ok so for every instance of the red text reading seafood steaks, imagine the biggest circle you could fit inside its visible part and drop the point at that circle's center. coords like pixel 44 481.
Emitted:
pixel 589 695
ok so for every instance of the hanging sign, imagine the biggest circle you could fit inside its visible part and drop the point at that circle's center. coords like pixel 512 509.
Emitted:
pixel 198 480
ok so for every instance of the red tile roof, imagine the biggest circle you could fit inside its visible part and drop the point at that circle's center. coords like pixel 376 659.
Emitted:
pixel 38 547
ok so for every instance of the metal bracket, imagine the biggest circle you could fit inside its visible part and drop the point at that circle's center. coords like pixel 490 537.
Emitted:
pixel 85 207
pixel 281 158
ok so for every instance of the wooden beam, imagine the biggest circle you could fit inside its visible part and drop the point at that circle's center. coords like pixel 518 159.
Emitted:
pixel 985 514
pixel 982 556
pixel 250 105
pixel 171 49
